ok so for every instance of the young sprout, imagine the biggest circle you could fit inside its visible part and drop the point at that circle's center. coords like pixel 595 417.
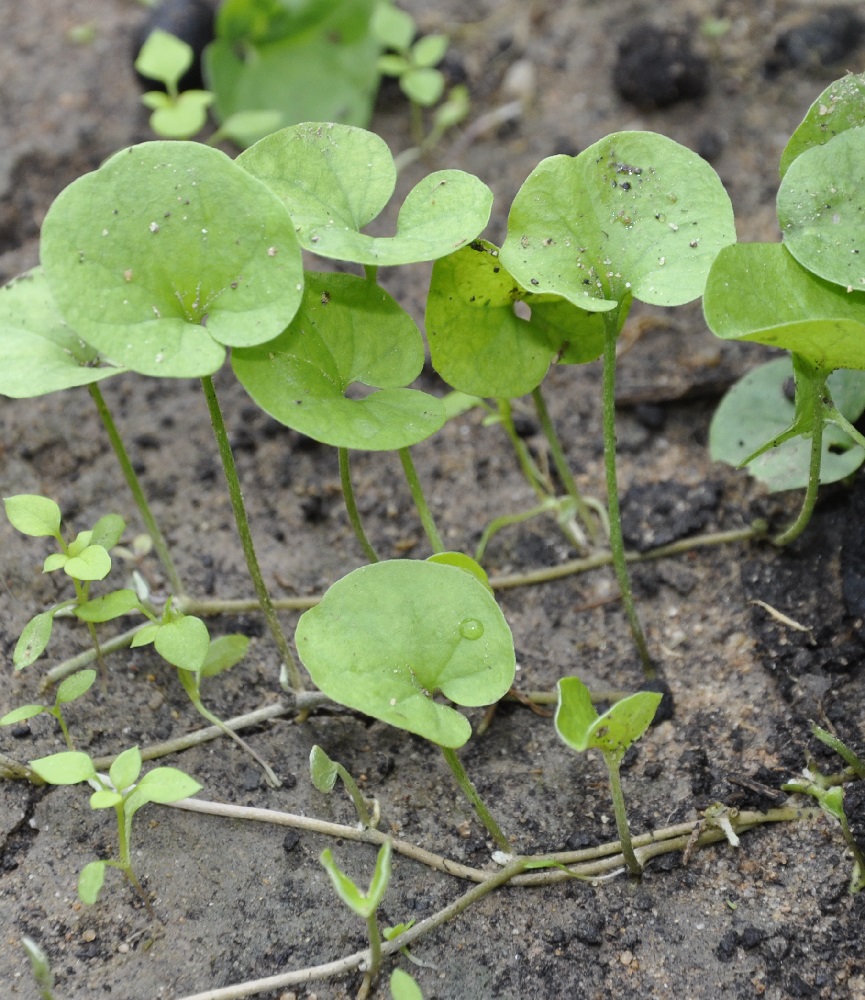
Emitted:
pixel 40 967
pixel 580 726
pixel 176 115
pixel 324 772
pixel 363 904
pixel 121 790
pixel 84 560
pixel 70 689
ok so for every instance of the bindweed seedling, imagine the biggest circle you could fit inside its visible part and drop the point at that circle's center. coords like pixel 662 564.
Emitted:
pixel 84 560
pixel 389 636
pixel 579 725
pixel 176 115
pixel 122 791
pixel 364 904
pixel 69 689
pixel 323 771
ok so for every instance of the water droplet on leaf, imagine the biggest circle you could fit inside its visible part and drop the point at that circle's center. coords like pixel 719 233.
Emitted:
pixel 471 628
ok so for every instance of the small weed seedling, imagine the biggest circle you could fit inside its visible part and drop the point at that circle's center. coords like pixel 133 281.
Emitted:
pixel 176 115
pixel 122 791
pixel 68 690
pixel 324 772
pixel 84 560
pixel 580 726
pixel 365 905
pixel 40 967
pixel 389 636
pixel 828 790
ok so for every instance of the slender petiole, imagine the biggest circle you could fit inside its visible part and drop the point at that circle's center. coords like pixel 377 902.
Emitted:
pixel 471 793
pixel 351 506
pixel 295 681
pixel 135 489
pixel 414 484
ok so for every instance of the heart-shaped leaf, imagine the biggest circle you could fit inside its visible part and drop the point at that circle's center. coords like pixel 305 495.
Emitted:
pixel 758 292
pixel 168 253
pixel 478 343
pixel 184 642
pixel 841 106
pixel 580 726
pixel 92 563
pixel 636 214
pixel 389 636
pixel 335 179
pixel 821 202
pixel 757 409
pixel 38 351
pixel 347 331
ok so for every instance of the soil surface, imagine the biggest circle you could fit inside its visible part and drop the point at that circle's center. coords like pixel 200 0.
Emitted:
pixel 237 900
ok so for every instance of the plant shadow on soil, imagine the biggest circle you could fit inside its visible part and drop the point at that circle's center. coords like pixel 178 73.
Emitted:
pixel 237 901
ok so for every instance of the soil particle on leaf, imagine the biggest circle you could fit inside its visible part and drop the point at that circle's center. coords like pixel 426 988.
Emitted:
pixel 657 67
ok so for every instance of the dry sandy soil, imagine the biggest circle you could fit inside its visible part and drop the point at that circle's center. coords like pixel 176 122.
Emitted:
pixel 236 900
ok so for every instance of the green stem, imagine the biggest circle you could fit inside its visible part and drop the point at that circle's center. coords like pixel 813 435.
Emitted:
pixel 236 494
pixel 561 463
pixel 811 386
pixel 214 720
pixel 355 795
pixel 135 489
pixel 351 506
pixel 506 520
pixel 420 503
pixel 374 947
pixel 529 469
pixel 617 542
pixel 471 793
pixel 612 762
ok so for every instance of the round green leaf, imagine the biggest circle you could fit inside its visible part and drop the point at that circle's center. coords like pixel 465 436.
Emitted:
pixel 184 642
pixel 164 57
pixel 423 85
pixel 479 345
pixel 388 636
pixel 92 563
pixel 580 726
pixel 403 986
pixel 168 253
pixel 347 331
pixel 821 203
pixel 335 179
pixel 429 50
pixel 33 515
pixel 757 409
pixel 636 214
pixel 38 351
pixel 758 292
pixel 34 638
pixel 184 117
pixel 839 107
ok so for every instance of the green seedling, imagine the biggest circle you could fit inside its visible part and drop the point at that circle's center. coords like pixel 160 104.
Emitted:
pixel 634 216
pixel 389 636
pixel 84 560
pixel 413 61
pixel 829 793
pixel 757 409
pixel 176 115
pixel 69 689
pixel 40 967
pixel 579 725
pixel 365 905
pixel 324 772
pixel 303 61
pixel 184 642
pixel 122 791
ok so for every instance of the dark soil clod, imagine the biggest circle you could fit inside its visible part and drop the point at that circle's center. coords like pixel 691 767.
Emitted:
pixel 657 67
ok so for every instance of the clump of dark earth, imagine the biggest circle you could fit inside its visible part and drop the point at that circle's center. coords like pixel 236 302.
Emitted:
pixel 657 67
pixel 826 39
